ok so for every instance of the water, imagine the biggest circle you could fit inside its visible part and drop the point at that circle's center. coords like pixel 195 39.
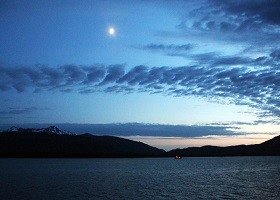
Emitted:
pixel 158 178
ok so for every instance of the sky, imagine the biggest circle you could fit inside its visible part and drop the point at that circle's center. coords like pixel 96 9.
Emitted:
pixel 170 74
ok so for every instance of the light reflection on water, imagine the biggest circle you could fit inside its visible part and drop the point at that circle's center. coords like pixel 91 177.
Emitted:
pixel 159 178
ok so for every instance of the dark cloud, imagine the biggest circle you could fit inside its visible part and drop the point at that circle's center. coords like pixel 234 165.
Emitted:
pixel 170 47
pixel 135 75
pixel 94 74
pixel 73 74
pixel 236 80
pixel 275 55
pixel 267 11
pixel 138 129
pixel 226 27
pixel 233 21
pixel 114 72
pixel 159 130
pixel 232 61
pixel 16 111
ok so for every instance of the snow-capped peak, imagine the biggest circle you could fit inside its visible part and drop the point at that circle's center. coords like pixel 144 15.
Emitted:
pixel 54 129
pixel 13 129
pixel 50 129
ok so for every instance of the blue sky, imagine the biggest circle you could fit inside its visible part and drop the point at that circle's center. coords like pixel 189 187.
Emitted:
pixel 208 68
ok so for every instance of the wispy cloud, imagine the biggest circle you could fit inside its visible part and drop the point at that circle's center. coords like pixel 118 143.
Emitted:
pixel 168 49
pixel 20 111
pixel 213 58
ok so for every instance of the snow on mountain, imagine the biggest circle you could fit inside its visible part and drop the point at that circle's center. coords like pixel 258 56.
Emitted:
pixel 13 129
pixel 54 129
pixel 50 129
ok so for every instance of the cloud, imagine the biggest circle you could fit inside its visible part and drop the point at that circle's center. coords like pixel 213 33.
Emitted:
pixel 114 72
pixel 224 79
pixel 17 111
pixel 138 129
pixel 227 21
pixel 266 11
pixel 213 58
pixel 157 130
pixel 275 55
pixel 235 60
pixel 94 74
pixel 135 75
pixel 170 47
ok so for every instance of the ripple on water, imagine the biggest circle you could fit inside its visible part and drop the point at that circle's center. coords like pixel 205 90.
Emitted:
pixel 166 178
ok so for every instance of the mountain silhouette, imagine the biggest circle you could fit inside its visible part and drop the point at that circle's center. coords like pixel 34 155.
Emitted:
pixel 53 142
pixel 268 148
pixel 50 143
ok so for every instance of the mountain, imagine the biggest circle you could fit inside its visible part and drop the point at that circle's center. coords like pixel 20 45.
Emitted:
pixel 50 129
pixel 52 142
pixel 267 148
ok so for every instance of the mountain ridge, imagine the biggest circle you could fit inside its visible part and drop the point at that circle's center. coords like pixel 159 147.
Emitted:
pixel 47 143
pixel 268 148
pixel 50 129
pixel 53 142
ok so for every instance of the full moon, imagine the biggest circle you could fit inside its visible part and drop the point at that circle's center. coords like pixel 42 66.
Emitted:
pixel 111 31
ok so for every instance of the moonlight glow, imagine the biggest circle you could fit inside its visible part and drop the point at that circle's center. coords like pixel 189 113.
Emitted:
pixel 111 31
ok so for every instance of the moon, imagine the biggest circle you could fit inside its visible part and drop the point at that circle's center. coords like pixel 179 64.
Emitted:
pixel 111 31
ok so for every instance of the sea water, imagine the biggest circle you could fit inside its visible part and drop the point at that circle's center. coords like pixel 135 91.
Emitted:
pixel 141 178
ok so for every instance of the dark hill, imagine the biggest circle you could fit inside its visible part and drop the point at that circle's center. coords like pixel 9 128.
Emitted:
pixel 53 142
pixel 268 148
pixel 46 144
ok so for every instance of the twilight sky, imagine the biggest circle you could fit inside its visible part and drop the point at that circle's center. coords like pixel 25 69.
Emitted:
pixel 174 73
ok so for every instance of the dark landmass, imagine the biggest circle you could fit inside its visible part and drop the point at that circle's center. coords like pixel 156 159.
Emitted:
pixel 267 148
pixel 45 144
pixel 52 142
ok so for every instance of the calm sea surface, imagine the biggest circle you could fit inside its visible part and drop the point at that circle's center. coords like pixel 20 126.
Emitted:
pixel 151 178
